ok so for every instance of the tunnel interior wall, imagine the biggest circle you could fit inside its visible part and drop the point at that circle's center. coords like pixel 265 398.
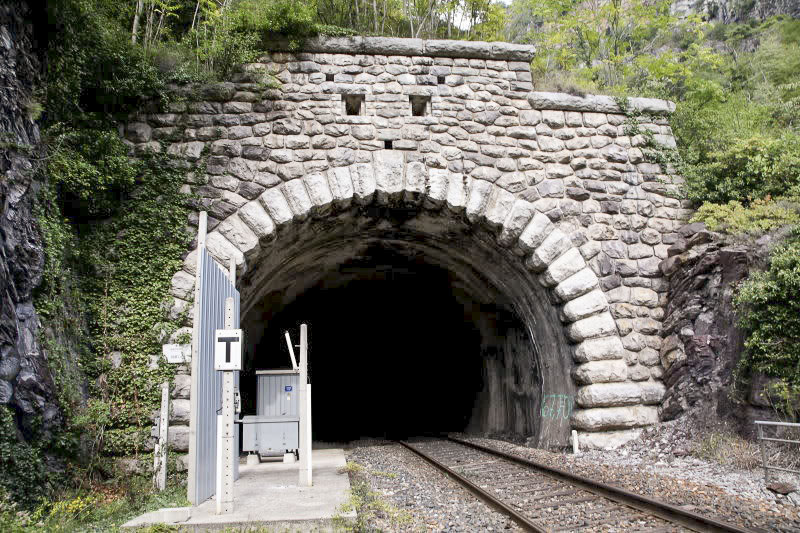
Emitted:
pixel 554 183
pixel 489 286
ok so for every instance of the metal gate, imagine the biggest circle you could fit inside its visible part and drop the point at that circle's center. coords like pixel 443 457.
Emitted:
pixel 214 286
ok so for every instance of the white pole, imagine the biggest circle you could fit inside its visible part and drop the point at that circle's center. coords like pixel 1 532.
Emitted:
pixel 304 435
pixel 218 483
pixel 308 466
pixel 225 447
pixel 160 454
pixel 291 350
pixel 191 483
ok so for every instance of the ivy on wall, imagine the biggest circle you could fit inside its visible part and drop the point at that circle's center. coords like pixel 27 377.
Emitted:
pixel 103 303
pixel 132 258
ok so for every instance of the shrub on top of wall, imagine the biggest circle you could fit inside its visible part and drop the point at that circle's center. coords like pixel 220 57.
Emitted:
pixel 760 216
pixel 747 169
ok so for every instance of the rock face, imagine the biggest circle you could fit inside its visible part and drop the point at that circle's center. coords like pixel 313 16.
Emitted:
pixel 735 10
pixel 25 381
pixel 702 342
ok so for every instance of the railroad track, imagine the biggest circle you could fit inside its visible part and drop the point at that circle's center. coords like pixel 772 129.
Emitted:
pixel 545 499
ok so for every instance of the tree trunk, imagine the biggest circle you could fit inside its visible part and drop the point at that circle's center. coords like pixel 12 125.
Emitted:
pixel 135 30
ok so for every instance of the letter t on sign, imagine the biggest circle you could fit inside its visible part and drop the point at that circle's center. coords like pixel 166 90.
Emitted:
pixel 228 349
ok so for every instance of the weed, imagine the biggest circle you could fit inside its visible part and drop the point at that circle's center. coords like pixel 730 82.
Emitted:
pixel 726 448
pixel 369 505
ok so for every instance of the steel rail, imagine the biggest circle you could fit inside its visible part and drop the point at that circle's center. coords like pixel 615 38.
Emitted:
pixel 501 506
pixel 663 510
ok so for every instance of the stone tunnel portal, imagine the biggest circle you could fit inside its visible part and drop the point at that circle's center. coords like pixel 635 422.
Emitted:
pixel 419 323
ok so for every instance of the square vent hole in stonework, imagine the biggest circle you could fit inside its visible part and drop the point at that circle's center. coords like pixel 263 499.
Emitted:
pixel 440 80
pixel 420 105
pixel 353 104
pixel 328 77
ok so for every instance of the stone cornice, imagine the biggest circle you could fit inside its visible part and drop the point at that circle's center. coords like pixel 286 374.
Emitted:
pixel 395 46
pixel 598 103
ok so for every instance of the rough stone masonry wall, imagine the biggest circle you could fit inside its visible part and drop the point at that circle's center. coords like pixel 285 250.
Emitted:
pixel 556 177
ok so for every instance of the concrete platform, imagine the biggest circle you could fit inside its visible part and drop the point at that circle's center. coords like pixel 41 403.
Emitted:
pixel 266 496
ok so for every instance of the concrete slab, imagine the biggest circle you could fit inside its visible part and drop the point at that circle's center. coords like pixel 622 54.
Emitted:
pixel 267 495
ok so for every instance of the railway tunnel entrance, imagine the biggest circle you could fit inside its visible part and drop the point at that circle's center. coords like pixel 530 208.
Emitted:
pixel 419 323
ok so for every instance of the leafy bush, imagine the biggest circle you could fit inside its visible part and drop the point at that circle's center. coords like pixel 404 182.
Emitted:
pixel 92 65
pixel 24 473
pixel 91 168
pixel 747 169
pixel 760 216
pixel 768 304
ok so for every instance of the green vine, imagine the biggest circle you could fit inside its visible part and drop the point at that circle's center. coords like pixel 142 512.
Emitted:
pixel 652 150
pixel 103 300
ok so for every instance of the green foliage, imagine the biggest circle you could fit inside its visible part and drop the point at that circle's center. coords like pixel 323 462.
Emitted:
pixel 367 503
pixel 23 470
pixel 760 216
pixel 132 257
pixel 768 304
pixel 91 64
pixel 90 168
pixel 103 294
pixel 102 509
pixel 746 169
pixel 284 17
pixel 599 40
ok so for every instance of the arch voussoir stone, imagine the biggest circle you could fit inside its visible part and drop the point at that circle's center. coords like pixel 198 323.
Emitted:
pixel 547 251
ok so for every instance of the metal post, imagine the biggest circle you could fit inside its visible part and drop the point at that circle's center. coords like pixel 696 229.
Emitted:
pixel 307 465
pixel 304 408
pixel 160 452
pixel 763 453
pixel 191 482
pixel 225 450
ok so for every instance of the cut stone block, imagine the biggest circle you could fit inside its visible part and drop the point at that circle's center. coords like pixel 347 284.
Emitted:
pixel 606 418
pixel 609 395
pixel 584 306
pixel 577 284
pixel 608 371
pixel 600 325
pixel 562 268
pixel 598 349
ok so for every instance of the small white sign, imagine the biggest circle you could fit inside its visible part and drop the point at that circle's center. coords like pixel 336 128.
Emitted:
pixel 228 349
pixel 177 353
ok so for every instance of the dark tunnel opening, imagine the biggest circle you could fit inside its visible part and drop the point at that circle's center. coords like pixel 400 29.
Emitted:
pixel 397 348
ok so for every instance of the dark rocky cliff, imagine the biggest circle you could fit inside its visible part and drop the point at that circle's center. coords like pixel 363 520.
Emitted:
pixel 26 384
pixel 702 340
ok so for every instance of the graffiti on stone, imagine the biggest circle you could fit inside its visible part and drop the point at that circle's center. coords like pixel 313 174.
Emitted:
pixel 556 406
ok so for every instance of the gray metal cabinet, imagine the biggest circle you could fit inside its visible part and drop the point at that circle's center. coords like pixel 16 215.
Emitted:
pixel 276 426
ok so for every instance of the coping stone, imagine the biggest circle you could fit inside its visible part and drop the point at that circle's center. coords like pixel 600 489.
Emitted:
pixel 598 103
pixel 395 46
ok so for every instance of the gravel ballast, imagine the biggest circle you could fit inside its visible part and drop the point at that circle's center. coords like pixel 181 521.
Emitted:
pixel 728 494
pixel 432 501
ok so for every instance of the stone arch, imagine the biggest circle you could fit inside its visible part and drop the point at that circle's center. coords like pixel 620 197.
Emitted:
pixel 547 262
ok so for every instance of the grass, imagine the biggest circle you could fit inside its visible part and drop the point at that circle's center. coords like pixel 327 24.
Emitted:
pixel 103 508
pixel 369 505
pixel 728 449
